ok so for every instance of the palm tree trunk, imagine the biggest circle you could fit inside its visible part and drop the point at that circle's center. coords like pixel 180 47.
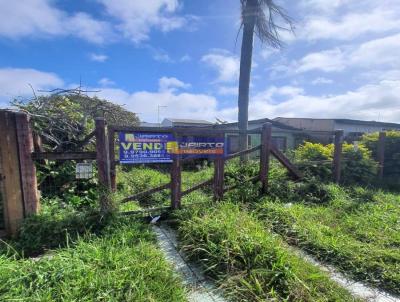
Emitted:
pixel 244 78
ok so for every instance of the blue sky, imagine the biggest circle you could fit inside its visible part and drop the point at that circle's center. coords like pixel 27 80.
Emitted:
pixel 343 60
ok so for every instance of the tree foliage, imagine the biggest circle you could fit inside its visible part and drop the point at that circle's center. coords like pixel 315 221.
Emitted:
pixel 64 121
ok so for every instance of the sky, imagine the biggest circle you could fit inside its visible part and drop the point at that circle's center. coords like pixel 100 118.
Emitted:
pixel 181 57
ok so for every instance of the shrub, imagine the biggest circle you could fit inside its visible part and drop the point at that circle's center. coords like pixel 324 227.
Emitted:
pixel 315 160
pixel 392 153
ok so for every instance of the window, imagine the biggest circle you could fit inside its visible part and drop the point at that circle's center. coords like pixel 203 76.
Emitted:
pixel 233 143
pixel 279 142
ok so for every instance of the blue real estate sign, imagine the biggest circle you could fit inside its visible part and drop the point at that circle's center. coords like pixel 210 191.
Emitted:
pixel 142 147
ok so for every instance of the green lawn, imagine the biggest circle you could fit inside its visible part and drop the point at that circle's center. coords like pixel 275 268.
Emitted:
pixel 357 230
pixel 249 261
pixel 120 264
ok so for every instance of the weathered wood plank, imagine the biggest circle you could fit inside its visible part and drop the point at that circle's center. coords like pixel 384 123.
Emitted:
pixel 197 187
pixel 111 148
pixel 26 164
pixel 285 162
pixel 233 155
pixel 264 156
pixel 176 183
pixel 337 156
pixel 381 154
pixel 64 155
pixel 147 192
pixel 103 164
pixel 11 180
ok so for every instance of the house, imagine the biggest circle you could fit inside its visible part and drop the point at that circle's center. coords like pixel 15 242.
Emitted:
pixel 175 122
pixel 353 129
pixel 283 136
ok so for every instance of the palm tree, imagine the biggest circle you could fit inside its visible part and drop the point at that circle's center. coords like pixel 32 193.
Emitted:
pixel 259 17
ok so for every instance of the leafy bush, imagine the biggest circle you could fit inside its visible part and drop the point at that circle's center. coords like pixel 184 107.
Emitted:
pixel 315 160
pixel 392 154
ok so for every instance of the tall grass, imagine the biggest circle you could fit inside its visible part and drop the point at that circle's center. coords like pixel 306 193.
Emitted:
pixel 121 265
pixel 357 230
pixel 248 261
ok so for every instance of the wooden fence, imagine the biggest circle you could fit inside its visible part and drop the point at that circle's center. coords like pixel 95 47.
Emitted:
pixel 175 185
pixel 18 183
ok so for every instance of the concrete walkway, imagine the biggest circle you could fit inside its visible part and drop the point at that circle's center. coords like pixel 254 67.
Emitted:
pixel 357 289
pixel 200 289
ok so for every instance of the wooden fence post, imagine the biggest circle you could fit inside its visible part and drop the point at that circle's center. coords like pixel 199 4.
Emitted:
pixel 381 153
pixel 17 170
pixel 176 182
pixel 26 164
pixel 337 156
pixel 111 148
pixel 266 135
pixel 103 164
pixel 219 170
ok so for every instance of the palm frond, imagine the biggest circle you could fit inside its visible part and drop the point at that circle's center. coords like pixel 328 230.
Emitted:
pixel 267 17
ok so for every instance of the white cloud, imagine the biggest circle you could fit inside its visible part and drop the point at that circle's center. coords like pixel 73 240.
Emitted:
pixel 166 84
pixel 369 102
pixel 32 18
pixel 104 82
pixel 228 90
pixel 137 18
pixel 328 60
pixel 348 19
pixel 224 63
pixel 14 82
pixel 380 53
pixel 162 57
pixel 185 58
pixel 321 80
pixel 179 105
pixel 98 57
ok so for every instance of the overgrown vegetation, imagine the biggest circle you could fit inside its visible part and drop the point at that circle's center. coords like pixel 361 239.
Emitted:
pixel 315 161
pixel 392 156
pixel 122 264
pixel 357 230
pixel 247 260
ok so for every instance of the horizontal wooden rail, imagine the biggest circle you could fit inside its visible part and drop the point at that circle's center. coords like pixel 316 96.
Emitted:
pixel 285 162
pixel 145 211
pixel 206 131
pixel 251 179
pixel 198 186
pixel 63 155
pixel 144 193
pixel 233 155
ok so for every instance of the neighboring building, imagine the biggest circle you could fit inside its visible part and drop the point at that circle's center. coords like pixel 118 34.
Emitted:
pixel 352 128
pixel 175 122
pixel 283 136
pixel 146 124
